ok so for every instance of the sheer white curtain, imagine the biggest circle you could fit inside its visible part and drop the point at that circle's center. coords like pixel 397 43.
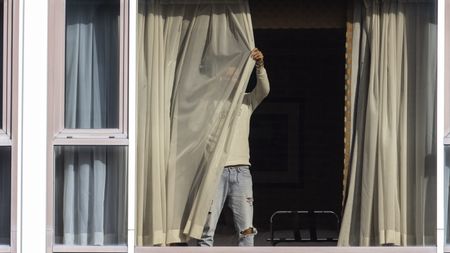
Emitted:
pixel 5 195
pixel 90 180
pixel 92 64
pixel 91 195
pixel 193 65
pixel 392 186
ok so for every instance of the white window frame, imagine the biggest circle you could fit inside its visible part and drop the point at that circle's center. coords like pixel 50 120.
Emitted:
pixel 57 135
pixel 57 23
pixel 9 126
pixel 443 115
pixel 132 158
pixel 5 128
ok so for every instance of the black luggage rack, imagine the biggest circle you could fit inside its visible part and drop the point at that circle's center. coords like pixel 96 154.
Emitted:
pixel 312 226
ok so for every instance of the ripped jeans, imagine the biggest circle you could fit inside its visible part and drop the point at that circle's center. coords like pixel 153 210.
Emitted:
pixel 236 185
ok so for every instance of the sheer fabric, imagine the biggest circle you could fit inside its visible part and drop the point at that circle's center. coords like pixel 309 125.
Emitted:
pixel 91 181
pixel 91 194
pixel 5 195
pixel 92 64
pixel 392 186
pixel 193 67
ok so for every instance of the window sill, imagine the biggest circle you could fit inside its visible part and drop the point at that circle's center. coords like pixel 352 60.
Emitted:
pixel 4 248
pixel 74 248
pixel 431 249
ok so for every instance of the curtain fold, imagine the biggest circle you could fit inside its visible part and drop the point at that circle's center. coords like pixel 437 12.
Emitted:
pixel 391 198
pixel 92 64
pixel 91 195
pixel 90 181
pixel 193 66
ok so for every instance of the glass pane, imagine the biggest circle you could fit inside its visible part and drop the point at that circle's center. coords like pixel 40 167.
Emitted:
pixel 92 64
pixel 5 195
pixel 91 195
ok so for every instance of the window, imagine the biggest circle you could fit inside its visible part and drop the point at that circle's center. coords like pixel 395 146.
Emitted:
pixel 8 123
pixel 92 64
pixel 412 186
pixel 89 91
pixel 446 140
pixel 90 195
pixel 88 125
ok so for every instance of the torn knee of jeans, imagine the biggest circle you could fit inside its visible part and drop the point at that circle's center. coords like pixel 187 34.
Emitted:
pixel 249 200
pixel 251 231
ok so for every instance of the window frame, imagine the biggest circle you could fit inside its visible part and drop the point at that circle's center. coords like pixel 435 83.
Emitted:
pixel 58 135
pixel 296 249
pixel 57 36
pixel 53 4
pixel 447 78
pixel 9 129
pixel 444 96
pixel 5 128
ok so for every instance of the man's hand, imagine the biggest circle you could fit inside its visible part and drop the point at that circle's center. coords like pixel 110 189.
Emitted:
pixel 258 57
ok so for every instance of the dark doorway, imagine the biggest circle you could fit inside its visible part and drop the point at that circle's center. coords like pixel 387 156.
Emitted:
pixel 297 133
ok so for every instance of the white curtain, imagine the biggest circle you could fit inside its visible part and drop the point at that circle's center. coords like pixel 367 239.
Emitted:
pixel 90 189
pixel 92 64
pixel 193 67
pixel 91 181
pixel 5 195
pixel 391 198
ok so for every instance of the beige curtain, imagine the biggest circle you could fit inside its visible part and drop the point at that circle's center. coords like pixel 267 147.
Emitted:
pixel 193 66
pixel 392 185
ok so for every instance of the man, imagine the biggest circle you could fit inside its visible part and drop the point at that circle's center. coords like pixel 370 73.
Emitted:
pixel 236 181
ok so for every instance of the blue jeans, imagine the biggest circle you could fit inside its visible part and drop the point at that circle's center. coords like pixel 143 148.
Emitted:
pixel 236 185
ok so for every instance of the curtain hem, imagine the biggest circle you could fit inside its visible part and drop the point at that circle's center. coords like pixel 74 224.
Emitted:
pixel 158 237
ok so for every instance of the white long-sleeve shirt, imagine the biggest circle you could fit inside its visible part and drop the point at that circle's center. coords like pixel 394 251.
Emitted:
pixel 239 149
